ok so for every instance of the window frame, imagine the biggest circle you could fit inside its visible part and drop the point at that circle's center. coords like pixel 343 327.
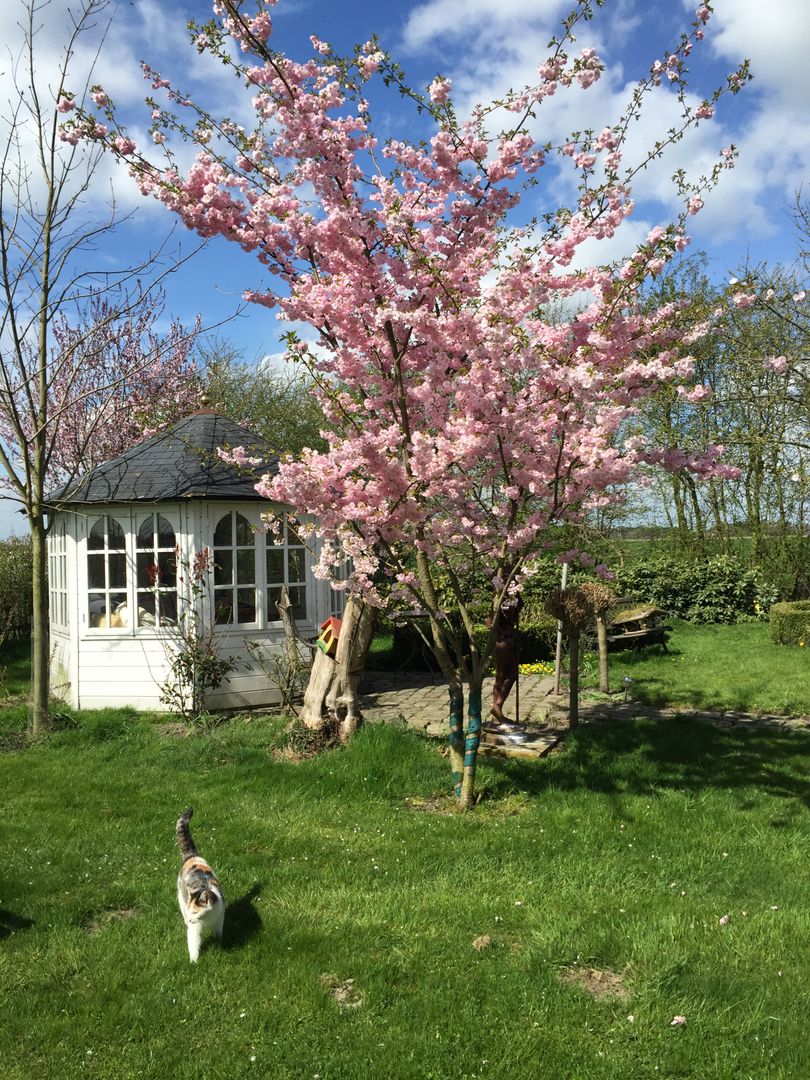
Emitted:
pixel 234 586
pixel 128 518
pixel 304 582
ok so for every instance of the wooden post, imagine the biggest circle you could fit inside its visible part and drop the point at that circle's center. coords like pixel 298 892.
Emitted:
pixel 558 654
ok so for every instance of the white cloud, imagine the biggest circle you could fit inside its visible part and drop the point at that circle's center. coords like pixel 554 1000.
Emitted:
pixel 775 37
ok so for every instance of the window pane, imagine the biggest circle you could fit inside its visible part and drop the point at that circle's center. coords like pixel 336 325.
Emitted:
pixel 95 571
pixel 273 597
pixel 298 599
pixel 115 535
pixel 146 539
pixel 119 613
pixel 167 608
pixel 117 571
pixel 244 532
pixel 296 565
pixel 223 607
pixel 223 567
pixel 96 607
pixel 245 567
pixel 275 566
pixel 95 541
pixel 165 532
pixel 222 534
pixel 292 536
pixel 246 600
pixel 147 571
pixel 167 569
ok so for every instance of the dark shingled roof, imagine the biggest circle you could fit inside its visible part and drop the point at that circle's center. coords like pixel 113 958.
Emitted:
pixel 178 463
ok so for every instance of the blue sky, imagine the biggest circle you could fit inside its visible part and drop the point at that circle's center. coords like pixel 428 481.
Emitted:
pixel 484 46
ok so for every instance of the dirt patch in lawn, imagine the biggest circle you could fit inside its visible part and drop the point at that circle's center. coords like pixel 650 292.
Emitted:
pixel 98 920
pixel 601 982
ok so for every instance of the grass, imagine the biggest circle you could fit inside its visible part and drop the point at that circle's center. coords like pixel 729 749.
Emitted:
pixel 608 865
pixel 734 668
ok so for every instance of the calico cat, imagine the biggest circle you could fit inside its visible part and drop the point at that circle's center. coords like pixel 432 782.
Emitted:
pixel 198 891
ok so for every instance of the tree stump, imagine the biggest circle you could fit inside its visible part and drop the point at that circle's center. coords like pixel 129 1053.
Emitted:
pixel 333 684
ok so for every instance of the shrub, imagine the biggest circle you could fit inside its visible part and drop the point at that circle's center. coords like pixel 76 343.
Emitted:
pixel 790 623
pixel 15 587
pixel 716 590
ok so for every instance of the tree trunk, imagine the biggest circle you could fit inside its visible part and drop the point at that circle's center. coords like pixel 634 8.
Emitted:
pixel 333 684
pixel 456 737
pixel 602 638
pixel 354 640
pixel 471 745
pixel 40 652
pixel 573 681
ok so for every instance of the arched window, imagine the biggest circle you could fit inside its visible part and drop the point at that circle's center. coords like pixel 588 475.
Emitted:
pixel 286 565
pixel 234 570
pixel 107 574
pixel 156 585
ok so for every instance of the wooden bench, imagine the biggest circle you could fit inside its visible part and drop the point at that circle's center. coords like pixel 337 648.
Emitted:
pixel 642 626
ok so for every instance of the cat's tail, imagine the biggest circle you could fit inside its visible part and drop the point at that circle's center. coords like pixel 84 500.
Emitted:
pixel 183 834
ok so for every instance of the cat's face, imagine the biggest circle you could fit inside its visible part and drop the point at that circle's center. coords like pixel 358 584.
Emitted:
pixel 202 899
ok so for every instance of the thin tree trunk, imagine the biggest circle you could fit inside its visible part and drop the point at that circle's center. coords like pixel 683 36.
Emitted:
pixel 471 745
pixel 602 638
pixel 573 681
pixel 40 658
pixel 456 737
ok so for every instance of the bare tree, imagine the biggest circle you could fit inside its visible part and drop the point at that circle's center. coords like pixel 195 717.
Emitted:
pixel 53 307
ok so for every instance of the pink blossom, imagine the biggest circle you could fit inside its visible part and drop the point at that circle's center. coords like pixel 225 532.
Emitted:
pixel 743 300
pixel 678 1021
pixel 800 296
pixel 777 364
pixel 100 98
pixel 65 104
pixel 439 90
pixel 694 205
pixel 705 111
pixel 724 919
pixel 124 145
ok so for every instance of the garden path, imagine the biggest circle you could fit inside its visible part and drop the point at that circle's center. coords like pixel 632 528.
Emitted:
pixel 419 700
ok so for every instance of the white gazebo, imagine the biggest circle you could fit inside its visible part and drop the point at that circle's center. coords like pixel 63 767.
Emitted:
pixel 123 539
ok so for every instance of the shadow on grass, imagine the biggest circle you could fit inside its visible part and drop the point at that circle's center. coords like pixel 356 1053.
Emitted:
pixel 242 920
pixel 10 923
pixel 645 755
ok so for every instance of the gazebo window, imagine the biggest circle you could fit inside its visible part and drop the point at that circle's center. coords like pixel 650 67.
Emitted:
pixel 234 570
pixel 58 575
pixel 286 565
pixel 156 561
pixel 106 573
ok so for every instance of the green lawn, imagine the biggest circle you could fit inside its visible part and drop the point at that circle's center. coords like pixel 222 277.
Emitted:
pixel 620 854
pixel 719 667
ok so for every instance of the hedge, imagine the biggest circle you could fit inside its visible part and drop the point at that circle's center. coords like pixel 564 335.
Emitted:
pixel 15 587
pixel 790 623
pixel 717 590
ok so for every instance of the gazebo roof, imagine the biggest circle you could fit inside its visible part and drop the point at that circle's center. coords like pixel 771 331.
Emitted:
pixel 179 463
